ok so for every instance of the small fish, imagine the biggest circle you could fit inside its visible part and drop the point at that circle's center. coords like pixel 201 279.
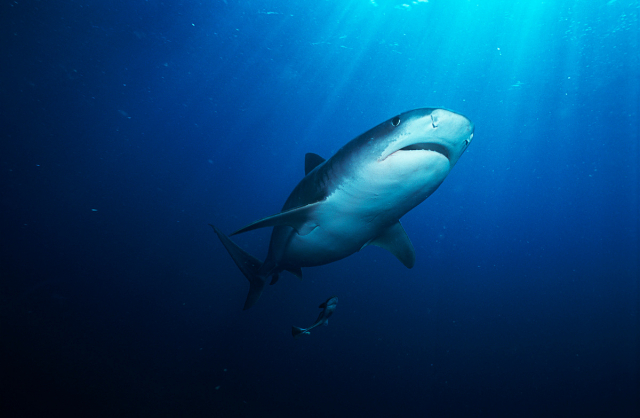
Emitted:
pixel 323 319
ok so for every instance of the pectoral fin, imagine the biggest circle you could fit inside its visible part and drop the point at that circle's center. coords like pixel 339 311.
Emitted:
pixel 395 240
pixel 296 218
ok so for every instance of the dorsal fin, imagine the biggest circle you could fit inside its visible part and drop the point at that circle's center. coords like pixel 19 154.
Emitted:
pixel 311 161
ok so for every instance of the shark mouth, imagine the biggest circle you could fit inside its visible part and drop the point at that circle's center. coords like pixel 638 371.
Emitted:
pixel 427 146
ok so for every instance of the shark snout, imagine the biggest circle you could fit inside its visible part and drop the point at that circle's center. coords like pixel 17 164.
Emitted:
pixel 455 122
pixel 469 131
pixel 455 130
pixel 467 128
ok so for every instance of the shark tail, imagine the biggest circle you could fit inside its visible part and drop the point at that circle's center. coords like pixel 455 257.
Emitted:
pixel 248 265
pixel 296 332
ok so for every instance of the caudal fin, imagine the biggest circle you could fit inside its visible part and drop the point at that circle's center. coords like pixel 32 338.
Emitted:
pixel 248 265
pixel 296 332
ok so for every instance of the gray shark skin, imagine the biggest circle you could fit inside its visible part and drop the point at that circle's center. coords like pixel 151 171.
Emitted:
pixel 328 308
pixel 357 197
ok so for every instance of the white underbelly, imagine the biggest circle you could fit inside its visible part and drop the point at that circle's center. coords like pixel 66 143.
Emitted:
pixel 321 246
pixel 342 229
pixel 357 212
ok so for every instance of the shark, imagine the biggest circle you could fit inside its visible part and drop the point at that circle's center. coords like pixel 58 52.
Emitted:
pixel 328 307
pixel 356 198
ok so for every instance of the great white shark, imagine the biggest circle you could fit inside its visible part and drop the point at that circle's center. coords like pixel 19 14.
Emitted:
pixel 357 197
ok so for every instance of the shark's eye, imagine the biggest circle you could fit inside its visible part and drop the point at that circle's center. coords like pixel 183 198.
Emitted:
pixel 395 121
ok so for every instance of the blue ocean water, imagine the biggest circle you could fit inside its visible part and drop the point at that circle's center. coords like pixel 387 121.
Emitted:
pixel 128 126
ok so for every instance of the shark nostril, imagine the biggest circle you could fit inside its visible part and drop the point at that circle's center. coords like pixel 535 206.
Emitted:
pixel 434 121
pixel 395 121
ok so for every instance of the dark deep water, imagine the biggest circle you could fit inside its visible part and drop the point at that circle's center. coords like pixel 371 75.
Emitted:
pixel 128 126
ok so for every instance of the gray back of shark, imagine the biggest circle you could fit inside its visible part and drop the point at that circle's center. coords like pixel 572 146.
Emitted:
pixel 357 197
